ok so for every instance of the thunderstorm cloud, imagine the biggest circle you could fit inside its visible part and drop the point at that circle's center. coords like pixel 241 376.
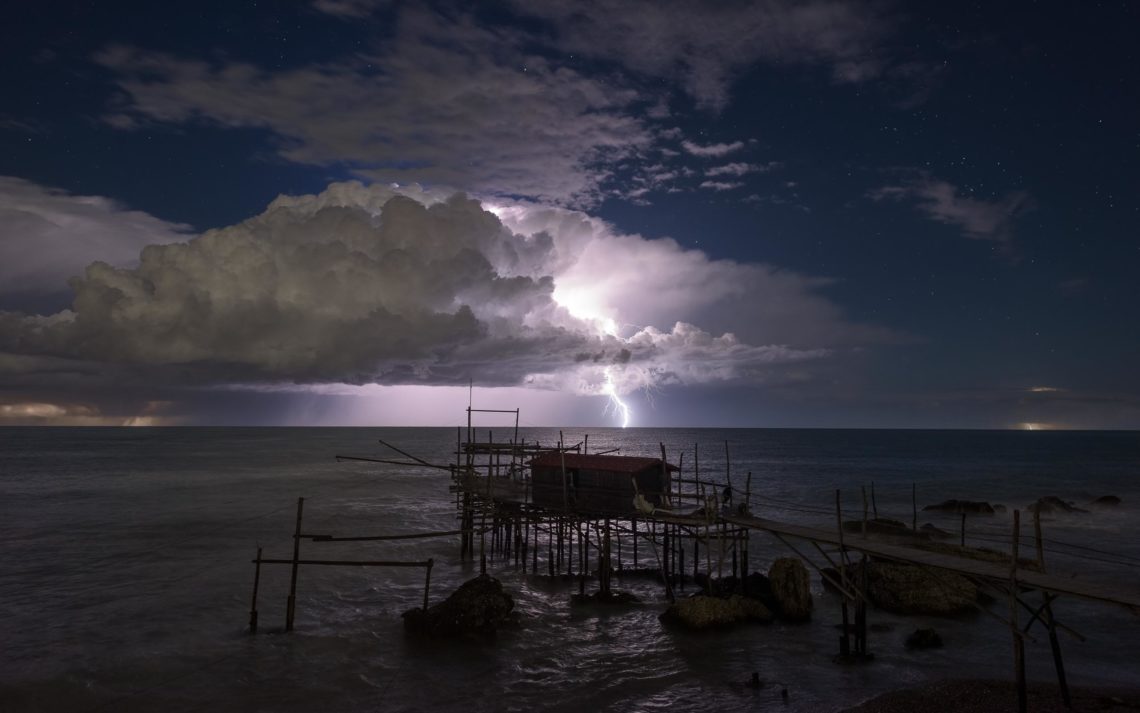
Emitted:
pixel 382 285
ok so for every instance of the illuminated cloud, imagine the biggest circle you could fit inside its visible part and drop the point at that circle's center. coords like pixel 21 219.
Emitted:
pixel 363 285
pixel 48 235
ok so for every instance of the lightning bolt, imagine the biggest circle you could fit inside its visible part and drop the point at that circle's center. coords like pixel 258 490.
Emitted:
pixel 619 406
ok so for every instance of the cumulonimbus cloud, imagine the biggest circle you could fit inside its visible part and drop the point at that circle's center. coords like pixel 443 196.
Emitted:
pixel 374 284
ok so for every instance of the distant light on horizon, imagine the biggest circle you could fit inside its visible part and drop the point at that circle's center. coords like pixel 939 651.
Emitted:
pixel 1037 426
pixel 1043 389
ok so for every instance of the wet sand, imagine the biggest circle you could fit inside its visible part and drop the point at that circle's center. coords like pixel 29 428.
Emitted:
pixel 962 696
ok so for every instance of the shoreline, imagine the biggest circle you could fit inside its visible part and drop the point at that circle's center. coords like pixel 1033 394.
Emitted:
pixel 998 696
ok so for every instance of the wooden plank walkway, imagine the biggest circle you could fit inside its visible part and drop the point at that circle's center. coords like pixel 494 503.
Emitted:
pixel 1125 595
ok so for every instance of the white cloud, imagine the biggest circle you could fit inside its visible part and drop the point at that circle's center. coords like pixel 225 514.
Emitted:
pixel 721 185
pixel 403 286
pixel 48 235
pixel 740 169
pixel 978 218
pixel 712 150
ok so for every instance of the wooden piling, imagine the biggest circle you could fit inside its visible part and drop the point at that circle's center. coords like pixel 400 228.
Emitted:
pixel 427 581
pixel 291 603
pixel 874 506
pixel 1018 641
pixel 844 640
pixel 913 507
pixel 864 489
pixel 253 599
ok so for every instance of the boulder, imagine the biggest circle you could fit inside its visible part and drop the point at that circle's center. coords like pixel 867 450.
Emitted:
pixel 477 609
pixel 705 612
pixel 791 588
pixel 970 507
pixel 1106 501
pixel 910 589
pixel 1053 504
pixel 936 532
pixel 924 639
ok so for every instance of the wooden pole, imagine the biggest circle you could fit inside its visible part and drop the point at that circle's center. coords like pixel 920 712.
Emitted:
pixel 1018 642
pixel 844 640
pixel 913 508
pixel 1037 539
pixel 1050 622
pixel 253 599
pixel 864 489
pixel 291 603
pixel 874 506
pixel 427 581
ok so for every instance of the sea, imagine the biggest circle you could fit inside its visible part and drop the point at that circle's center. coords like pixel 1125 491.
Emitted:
pixel 126 574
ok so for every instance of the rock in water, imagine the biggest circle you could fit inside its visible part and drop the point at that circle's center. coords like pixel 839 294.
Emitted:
pixel 1051 504
pixel 924 639
pixel 477 609
pixel 909 589
pixel 970 507
pixel 1106 501
pixel 704 612
pixel 791 588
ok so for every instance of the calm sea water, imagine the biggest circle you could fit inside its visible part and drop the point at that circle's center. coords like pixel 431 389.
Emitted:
pixel 125 573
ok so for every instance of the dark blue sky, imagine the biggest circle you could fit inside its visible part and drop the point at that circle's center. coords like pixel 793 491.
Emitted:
pixel 939 206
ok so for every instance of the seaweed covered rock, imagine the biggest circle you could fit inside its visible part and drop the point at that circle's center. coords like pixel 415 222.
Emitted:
pixel 1053 504
pixel 879 526
pixel 909 589
pixel 477 609
pixel 705 612
pixel 791 588
pixel 970 507
pixel 1106 501
pixel 924 639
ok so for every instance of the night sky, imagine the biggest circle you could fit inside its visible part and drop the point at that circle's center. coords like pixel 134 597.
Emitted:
pixel 774 213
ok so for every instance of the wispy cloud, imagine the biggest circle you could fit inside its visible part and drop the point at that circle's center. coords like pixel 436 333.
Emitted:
pixel 711 150
pixel 978 218
pixel 517 125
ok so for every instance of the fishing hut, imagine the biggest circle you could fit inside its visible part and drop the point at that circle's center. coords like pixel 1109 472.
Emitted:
pixel 604 484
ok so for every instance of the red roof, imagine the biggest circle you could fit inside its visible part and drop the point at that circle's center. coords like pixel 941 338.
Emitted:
pixel 613 464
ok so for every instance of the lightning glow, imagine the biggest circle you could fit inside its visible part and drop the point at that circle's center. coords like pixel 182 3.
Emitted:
pixel 619 406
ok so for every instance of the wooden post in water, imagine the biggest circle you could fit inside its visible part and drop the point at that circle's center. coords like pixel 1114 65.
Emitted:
pixel 1050 622
pixel 291 603
pixel 427 581
pixel 874 506
pixel 864 489
pixel 913 507
pixel 844 640
pixel 253 599
pixel 635 538
pixel 1018 642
